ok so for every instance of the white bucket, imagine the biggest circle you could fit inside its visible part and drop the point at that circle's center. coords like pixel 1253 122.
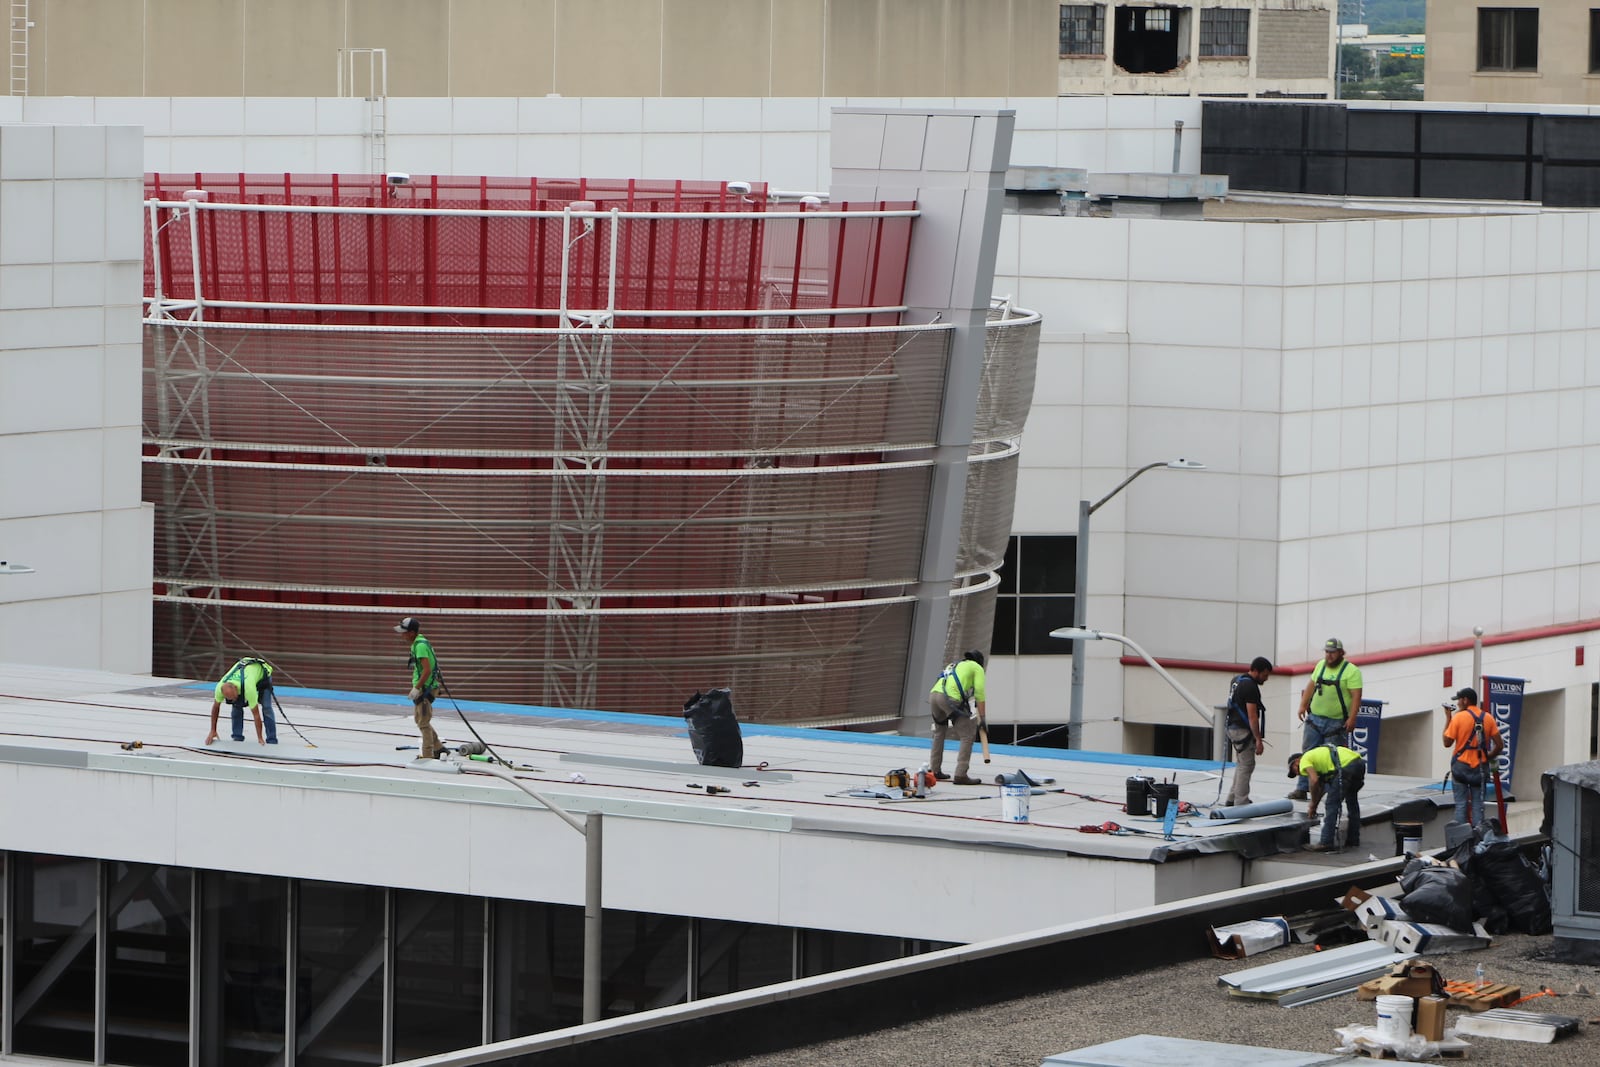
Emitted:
pixel 1412 845
pixel 1394 1017
pixel 1014 802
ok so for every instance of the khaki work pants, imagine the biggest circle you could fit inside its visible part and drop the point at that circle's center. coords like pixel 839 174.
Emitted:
pixel 950 718
pixel 423 716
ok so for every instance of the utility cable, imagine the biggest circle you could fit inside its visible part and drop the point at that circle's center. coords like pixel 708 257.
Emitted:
pixel 277 700
pixel 444 685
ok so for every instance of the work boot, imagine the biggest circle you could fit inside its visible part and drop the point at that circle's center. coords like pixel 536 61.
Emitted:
pixel 962 779
pixel 1298 794
pixel 941 776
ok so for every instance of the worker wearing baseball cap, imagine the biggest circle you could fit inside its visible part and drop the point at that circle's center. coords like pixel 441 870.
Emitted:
pixel 1329 704
pixel 424 683
pixel 1475 737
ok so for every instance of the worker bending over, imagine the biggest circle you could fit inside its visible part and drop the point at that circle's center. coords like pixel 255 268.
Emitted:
pixel 958 706
pixel 1342 779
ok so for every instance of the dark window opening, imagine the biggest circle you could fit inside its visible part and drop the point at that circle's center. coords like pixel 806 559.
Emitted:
pixel 1594 41
pixel 1037 580
pixel 1181 742
pixel 1224 31
pixel 1508 38
pixel 1083 29
pixel 1147 40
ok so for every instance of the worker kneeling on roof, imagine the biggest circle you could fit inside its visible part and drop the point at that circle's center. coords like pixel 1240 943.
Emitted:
pixel 1344 778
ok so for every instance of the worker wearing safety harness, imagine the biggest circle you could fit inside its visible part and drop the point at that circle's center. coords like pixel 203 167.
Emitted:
pixel 1477 741
pixel 1342 780
pixel 1247 726
pixel 1329 705
pixel 248 683
pixel 424 684
pixel 958 705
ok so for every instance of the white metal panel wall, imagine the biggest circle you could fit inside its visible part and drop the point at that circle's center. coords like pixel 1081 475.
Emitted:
pixel 758 874
pixel 70 274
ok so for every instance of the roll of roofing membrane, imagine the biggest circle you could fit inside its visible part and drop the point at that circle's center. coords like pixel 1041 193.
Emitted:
pixel 1254 811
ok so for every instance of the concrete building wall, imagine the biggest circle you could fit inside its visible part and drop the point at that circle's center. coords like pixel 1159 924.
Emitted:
pixel 784 142
pixel 533 47
pixel 1293 43
pixel 71 256
pixel 1400 420
pixel 1562 74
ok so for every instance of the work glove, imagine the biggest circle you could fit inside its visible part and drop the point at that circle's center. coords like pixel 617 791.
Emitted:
pixel 415 695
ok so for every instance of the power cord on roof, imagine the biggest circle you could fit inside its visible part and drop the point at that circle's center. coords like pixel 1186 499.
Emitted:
pixel 446 687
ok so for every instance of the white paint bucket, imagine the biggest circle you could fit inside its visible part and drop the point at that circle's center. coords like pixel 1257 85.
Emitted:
pixel 1014 802
pixel 1394 1017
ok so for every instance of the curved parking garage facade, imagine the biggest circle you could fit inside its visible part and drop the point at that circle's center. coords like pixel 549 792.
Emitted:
pixel 611 442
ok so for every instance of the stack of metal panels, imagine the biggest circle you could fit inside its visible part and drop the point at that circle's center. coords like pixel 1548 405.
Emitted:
pixel 1316 975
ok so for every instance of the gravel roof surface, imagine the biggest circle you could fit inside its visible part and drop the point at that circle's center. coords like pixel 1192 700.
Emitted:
pixel 1184 1000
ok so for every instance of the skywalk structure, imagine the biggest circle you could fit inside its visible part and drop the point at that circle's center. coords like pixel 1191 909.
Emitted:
pixel 613 441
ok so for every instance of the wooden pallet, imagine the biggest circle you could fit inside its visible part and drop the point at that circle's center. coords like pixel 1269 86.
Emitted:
pixel 1474 997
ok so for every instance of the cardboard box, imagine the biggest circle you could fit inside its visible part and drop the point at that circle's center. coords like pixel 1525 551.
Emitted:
pixel 1430 1017
pixel 1417 938
pixel 1238 940
pixel 1414 980
pixel 1372 909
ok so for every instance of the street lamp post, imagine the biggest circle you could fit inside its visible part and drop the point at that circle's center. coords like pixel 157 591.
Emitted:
pixel 591 828
pixel 1079 634
pixel 1080 594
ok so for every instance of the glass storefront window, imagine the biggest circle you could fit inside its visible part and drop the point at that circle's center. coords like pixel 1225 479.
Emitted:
pixel 538 967
pixel 147 962
pixel 339 974
pixel 735 956
pixel 644 962
pixel 243 935
pixel 438 979
pixel 53 1000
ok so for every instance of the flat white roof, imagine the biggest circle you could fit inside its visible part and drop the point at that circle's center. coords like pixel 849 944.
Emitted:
pixel 788 844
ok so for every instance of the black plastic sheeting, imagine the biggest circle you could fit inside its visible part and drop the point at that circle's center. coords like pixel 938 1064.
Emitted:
pixel 1326 148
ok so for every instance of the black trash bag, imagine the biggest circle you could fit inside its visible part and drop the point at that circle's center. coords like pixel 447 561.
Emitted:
pixel 713 729
pixel 1440 895
pixel 1506 872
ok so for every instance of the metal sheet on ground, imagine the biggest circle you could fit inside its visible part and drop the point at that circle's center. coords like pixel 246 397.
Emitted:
pixel 1145 1049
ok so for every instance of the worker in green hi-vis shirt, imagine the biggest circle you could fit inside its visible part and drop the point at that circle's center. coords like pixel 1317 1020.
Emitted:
pixel 424 683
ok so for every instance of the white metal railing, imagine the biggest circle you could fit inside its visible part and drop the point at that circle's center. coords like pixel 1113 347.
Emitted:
pixel 161 308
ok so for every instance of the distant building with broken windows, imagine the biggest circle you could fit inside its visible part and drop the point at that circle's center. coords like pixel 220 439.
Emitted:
pixel 1236 48
pixel 509 48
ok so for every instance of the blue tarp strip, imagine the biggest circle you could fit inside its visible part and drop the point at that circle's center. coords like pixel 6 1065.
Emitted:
pixel 528 711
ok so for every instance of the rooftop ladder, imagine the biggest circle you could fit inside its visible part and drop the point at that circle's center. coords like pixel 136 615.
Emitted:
pixel 20 25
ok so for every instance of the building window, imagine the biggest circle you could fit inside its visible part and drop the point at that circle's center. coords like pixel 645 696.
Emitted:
pixel 1037 581
pixel 1150 40
pixel 1083 29
pixel 1508 38
pixel 1224 31
pixel 1594 41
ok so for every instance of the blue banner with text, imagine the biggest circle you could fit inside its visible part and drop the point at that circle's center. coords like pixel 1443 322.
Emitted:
pixel 1503 699
pixel 1364 738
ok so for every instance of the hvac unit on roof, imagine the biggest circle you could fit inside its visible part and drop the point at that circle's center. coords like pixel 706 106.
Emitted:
pixel 1575 862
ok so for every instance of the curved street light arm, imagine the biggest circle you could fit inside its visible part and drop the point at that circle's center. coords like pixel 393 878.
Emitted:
pixel 1124 483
